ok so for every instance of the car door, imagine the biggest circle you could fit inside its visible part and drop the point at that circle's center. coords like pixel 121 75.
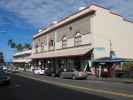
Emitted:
pixel 69 74
pixel 66 74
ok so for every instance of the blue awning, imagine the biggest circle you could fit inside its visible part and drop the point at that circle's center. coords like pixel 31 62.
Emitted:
pixel 112 60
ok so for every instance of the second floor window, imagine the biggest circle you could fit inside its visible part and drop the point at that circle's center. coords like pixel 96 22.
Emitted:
pixel 36 48
pixel 45 42
pixel 51 43
pixel 42 46
pixel 64 42
pixel 77 39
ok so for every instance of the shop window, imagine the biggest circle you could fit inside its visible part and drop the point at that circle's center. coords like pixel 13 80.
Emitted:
pixel 64 42
pixel 77 64
pixel 45 41
pixel 77 39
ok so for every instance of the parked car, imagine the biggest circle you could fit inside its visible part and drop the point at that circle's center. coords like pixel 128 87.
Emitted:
pixel 4 68
pixel 47 72
pixel 39 71
pixel 9 71
pixel 15 70
pixel 74 74
pixel 4 78
pixel 54 72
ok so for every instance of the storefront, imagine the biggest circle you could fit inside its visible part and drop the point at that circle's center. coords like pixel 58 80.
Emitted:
pixel 66 59
pixel 21 60
pixel 107 67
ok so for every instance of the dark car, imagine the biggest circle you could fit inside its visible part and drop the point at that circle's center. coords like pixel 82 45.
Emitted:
pixel 4 78
pixel 47 72
pixel 52 72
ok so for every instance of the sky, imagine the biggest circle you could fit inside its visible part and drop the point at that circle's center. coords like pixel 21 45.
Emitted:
pixel 21 19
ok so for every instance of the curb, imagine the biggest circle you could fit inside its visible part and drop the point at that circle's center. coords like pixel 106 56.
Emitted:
pixel 126 81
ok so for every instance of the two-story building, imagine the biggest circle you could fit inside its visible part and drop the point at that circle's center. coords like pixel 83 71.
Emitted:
pixel 82 38
pixel 22 59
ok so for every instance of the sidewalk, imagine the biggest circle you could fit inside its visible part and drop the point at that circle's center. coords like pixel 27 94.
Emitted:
pixel 122 80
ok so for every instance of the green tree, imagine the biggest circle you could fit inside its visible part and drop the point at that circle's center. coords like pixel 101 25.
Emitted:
pixel 19 47
pixel 127 66
pixel 11 43
pixel 27 46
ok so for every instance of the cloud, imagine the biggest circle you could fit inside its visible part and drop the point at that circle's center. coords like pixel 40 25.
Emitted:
pixel 18 16
pixel 123 7
pixel 41 12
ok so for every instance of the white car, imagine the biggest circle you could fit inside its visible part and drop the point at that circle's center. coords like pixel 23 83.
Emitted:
pixel 38 71
pixel 4 68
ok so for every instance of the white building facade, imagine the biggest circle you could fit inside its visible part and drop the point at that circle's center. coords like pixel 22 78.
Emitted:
pixel 22 59
pixel 83 37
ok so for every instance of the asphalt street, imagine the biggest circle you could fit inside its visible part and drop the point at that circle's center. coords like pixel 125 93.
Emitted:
pixel 114 90
pixel 27 89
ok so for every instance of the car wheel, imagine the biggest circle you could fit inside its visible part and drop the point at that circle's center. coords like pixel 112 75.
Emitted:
pixel 73 77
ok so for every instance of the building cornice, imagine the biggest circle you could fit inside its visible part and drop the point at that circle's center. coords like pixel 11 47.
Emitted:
pixel 88 10
pixel 67 20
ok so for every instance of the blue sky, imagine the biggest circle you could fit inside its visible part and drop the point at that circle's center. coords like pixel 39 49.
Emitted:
pixel 20 19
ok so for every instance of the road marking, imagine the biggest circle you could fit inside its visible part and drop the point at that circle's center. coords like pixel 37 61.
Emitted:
pixel 82 88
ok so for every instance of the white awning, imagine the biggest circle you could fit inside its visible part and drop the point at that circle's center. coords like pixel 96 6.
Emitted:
pixel 23 53
pixel 79 51
pixel 21 60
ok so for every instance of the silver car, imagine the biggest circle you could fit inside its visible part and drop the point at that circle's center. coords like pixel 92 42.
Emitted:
pixel 74 74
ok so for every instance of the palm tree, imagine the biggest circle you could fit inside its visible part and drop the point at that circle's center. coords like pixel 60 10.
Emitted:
pixel 11 43
pixel 19 47
pixel 27 46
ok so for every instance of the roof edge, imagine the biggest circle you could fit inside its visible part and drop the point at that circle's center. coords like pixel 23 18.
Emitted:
pixel 74 14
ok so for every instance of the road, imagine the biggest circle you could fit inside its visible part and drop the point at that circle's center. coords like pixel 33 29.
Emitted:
pixel 27 89
pixel 109 89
